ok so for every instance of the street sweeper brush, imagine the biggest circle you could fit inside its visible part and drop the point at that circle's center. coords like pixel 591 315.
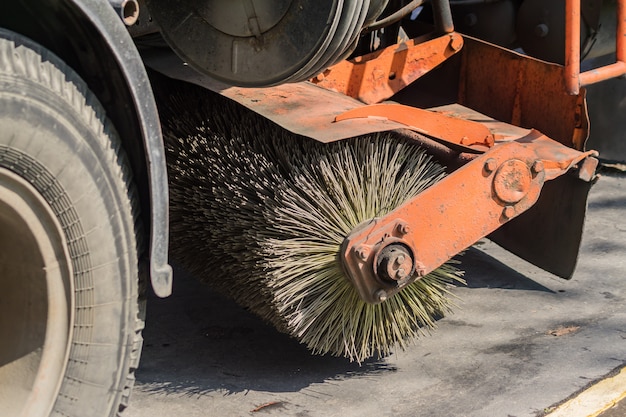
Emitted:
pixel 260 214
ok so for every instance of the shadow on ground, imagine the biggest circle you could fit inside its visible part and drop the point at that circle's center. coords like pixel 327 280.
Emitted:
pixel 197 342
pixel 484 271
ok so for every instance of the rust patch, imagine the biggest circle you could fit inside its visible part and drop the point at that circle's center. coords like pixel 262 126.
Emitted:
pixel 269 406
pixel 563 330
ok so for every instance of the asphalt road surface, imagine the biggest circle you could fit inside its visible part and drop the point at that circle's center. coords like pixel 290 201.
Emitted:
pixel 519 342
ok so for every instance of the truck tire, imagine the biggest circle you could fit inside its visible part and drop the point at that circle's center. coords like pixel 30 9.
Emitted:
pixel 70 316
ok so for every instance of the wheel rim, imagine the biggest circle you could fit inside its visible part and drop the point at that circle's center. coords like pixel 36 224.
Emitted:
pixel 36 311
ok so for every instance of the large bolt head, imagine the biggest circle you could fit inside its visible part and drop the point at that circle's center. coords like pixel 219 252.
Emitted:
pixel 512 181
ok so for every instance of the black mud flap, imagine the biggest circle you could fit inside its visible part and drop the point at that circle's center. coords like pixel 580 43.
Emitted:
pixel 548 235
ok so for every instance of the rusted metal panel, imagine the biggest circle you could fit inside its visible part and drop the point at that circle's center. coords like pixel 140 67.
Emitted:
pixel 522 91
pixel 375 77
pixel 302 108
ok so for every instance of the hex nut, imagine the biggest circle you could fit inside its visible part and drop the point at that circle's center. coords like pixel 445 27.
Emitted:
pixel 537 167
pixel 491 165
pixel 403 228
pixel 509 212
pixel 362 252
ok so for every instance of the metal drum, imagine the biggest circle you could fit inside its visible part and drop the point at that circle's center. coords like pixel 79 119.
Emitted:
pixel 256 43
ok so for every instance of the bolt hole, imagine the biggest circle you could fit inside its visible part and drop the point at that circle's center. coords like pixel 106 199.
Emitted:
pixel 130 12
pixel 392 75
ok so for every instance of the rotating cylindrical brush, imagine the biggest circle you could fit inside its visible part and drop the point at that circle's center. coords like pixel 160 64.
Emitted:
pixel 260 215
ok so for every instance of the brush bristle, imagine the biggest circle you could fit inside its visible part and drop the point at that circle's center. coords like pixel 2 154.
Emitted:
pixel 260 215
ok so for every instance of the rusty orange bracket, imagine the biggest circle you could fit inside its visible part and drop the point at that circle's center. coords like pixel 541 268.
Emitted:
pixel 450 216
pixel 574 79
pixel 375 77
pixel 473 136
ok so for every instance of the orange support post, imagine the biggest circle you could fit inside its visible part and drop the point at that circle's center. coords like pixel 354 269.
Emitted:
pixel 573 78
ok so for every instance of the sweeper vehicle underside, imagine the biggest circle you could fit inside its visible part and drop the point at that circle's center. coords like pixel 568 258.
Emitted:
pixel 327 165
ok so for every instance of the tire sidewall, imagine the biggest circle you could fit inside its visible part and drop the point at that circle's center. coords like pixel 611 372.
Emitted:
pixel 51 124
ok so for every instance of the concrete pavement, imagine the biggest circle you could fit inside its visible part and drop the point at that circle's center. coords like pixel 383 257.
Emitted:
pixel 520 342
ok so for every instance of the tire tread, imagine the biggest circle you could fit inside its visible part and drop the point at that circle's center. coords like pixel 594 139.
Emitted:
pixel 23 58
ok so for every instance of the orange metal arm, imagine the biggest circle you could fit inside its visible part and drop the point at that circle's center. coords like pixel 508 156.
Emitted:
pixel 388 253
pixel 474 137
pixel 573 78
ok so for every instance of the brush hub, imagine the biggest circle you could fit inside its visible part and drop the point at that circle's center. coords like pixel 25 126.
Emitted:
pixel 380 263
pixel 395 263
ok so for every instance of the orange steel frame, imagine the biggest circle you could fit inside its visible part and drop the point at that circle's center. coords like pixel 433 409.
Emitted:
pixel 501 177
pixel 574 79
pixel 503 180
